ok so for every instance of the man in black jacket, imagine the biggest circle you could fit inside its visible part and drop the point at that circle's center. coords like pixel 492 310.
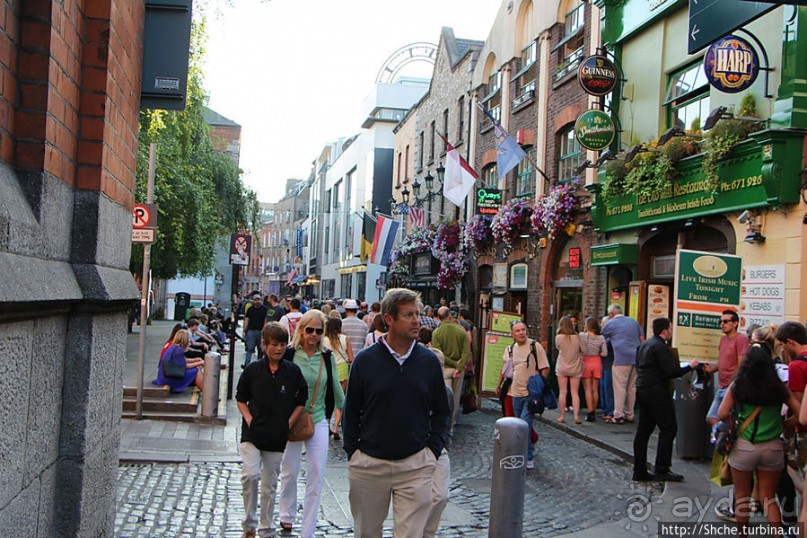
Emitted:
pixel 395 424
pixel 655 367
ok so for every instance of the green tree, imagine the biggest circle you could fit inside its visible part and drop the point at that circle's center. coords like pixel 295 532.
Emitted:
pixel 199 193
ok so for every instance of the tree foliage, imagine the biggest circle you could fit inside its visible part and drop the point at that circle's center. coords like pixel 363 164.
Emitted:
pixel 199 193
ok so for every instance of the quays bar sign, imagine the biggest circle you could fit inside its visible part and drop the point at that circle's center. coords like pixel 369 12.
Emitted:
pixel 488 201
pixel 731 64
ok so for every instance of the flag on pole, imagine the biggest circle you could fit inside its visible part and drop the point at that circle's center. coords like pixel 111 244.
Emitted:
pixel 385 230
pixel 508 152
pixel 459 176
pixel 417 217
pixel 291 276
pixel 367 235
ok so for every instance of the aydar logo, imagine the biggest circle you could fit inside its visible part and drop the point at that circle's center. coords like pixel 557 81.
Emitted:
pixel 731 64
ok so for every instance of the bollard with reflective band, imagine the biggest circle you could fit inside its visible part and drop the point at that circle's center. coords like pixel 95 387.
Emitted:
pixel 509 477
pixel 210 385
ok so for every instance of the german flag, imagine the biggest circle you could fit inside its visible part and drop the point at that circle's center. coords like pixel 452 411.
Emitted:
pixel 367 235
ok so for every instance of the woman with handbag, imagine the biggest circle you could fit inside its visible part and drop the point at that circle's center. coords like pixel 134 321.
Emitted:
pixel 758 394
pixel 308 352
pixel 177 371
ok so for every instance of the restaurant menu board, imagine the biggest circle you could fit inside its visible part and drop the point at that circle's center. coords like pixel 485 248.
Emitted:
pixel 500 321
pixel 762 295
pixel 493 347
pixel 658 304
pixel 706 284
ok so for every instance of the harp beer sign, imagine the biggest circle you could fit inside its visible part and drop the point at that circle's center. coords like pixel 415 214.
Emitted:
pixel 731 64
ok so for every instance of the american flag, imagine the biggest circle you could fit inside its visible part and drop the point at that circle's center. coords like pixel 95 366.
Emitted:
pixel 403 209
pixel 416 217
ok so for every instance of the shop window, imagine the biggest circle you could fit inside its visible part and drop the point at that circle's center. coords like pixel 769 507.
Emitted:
pixel 570 154
pixel 663 267
pixel 687 99
pixel 525 176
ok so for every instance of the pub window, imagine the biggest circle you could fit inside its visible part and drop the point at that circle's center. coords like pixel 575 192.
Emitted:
pixel 570 154
pixel 687 99
pixel 525 176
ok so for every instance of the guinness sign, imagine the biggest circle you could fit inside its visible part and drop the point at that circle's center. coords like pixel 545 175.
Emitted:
pixel 597 75
pixel 731 64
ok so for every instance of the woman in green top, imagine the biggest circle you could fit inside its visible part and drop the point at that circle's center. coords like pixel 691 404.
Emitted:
pixel 308 355
pixel 759 394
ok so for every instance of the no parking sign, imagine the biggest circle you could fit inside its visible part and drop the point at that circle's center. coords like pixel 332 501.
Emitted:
pixel 240 247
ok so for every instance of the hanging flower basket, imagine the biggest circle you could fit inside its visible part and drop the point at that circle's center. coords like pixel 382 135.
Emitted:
pixel 447 239
pixel 512 221
pixel 452 268
pixel 416 242
pixel 554 211
pixel 479 235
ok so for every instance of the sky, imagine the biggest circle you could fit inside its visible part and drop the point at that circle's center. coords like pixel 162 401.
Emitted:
pixel 294 73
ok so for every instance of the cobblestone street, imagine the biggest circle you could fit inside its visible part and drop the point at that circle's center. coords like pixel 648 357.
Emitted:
pixel 571 478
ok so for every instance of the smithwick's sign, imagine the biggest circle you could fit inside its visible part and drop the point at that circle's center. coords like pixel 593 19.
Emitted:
pixel 597 75
pixel 595 130
pixel 488 201
pixel 731 64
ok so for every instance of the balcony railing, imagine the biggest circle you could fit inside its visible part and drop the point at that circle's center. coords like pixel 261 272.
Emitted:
pixel 569 64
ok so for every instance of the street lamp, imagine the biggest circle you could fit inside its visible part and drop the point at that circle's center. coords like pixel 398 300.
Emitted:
pixel 441 173
pixel 405 196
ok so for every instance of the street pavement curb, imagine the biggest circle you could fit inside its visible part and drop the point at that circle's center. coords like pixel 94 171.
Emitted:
pixel 613 449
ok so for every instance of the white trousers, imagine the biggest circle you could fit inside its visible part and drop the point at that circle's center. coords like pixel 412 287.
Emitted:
pixel 442 476
pixel 264 466
pixel 316 454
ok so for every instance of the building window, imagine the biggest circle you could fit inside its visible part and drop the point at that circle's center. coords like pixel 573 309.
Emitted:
pixel 406 163
pixel 494 82
pixel 490 176
pixel 460 118
pixel 445 129
pixel 570 48
pixel 347 280
pixel 570 155
pixel 525 176
pixel 432 128
pixel 422 150
pixel 687 98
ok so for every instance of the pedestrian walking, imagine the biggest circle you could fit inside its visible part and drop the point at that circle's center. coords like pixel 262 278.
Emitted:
pixel 342 350
pixel 625 335
pixel 731 350
pixel 606 381
pixel 758 394
pixel 324 391
pixel 254 319
pixel 569 367
pixel 395 424
pixel 353 327
pixel 524 359
pixel 595 350
pixel 290 320
pixel 450 338
pixel 270 396
pixel 655 367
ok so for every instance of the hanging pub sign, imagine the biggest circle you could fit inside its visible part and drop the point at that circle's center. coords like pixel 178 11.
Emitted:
pixel 731 64
pixel 594 130
pixel 488 201
pixel 597 75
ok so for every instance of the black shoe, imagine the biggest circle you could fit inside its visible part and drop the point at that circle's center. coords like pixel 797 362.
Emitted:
pixel 669 477
pixel 643 477
pixel 590 417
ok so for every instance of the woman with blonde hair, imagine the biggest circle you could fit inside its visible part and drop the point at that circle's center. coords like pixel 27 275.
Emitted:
pixel 176 354
pixel 308 352
pixel 569 367
pixel 343 352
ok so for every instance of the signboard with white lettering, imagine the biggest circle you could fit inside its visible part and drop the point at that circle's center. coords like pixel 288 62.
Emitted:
pixel 144 223
pixel 711 19
pixel 762 295
pixel 706 284
pixel 731 64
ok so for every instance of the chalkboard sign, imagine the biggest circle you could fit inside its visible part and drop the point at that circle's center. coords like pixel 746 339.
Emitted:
pixel 493 348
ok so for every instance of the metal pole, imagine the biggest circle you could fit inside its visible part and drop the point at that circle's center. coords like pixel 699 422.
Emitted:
pixel 509 477
pixel 145 285
pixel 210 385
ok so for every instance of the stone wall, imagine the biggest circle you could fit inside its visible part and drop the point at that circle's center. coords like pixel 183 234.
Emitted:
pixel 69 108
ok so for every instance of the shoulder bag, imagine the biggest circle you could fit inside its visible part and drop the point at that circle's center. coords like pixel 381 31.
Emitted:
pixel 303 429
pixel 172 370
pixel 729 434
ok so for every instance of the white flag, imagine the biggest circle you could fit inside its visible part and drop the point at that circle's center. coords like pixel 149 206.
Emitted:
pixel 459 178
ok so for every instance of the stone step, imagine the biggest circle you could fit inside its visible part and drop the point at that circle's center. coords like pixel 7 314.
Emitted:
pixel 148 392
pixel 162 405
pixel 178 417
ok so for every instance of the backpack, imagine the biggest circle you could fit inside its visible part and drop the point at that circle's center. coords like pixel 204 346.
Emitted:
pixel 533 353
pixel 329 396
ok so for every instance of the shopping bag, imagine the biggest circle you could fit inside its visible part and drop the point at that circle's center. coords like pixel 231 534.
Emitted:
pixel 720 472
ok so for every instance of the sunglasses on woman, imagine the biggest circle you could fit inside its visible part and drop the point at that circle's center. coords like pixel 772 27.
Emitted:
pixel 312 330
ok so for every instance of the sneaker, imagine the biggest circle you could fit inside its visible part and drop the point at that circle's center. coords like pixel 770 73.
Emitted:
pixel 725 511
pixel 530 464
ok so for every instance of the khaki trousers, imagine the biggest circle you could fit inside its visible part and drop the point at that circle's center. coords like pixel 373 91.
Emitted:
pixel 624 378
pixel 408 482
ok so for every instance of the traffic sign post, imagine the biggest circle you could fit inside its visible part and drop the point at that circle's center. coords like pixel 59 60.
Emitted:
pixel 712 19
pixel 144 223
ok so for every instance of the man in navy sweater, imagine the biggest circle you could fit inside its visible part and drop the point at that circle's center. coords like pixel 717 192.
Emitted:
pixel 395 424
